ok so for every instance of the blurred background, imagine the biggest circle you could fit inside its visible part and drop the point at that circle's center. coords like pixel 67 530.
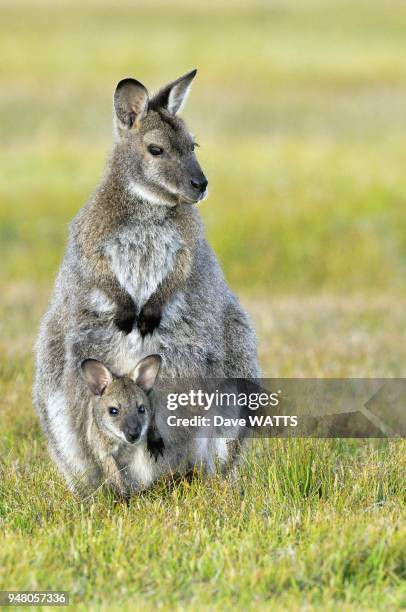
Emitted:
pixel 300 110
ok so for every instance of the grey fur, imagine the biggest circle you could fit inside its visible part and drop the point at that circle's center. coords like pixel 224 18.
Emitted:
pixel 117 416
pixel 137 252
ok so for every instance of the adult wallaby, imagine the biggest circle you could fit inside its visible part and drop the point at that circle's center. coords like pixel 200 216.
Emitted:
pixel 138 276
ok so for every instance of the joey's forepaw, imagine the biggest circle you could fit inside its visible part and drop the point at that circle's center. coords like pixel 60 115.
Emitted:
pixel 156 447
pixel 148 320
pixel 125 324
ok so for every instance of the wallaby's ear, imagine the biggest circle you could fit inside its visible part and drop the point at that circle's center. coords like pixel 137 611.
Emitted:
pixel 145 372
pixel 172 96
pixel 130 102
pixel 97 376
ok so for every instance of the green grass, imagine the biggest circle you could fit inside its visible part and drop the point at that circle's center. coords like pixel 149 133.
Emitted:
pixel 299 107
pixel 268 539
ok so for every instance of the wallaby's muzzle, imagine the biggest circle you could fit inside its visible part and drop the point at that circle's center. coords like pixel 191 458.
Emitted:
pixel 132 429
pixel 132 434
pixel 200 183
pixel 197 185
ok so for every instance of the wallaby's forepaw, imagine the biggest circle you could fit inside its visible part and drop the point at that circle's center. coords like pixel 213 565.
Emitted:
pixel 125 324
pixel 148 320
pixel 156 447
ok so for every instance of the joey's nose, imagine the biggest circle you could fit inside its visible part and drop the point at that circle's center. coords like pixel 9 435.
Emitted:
pixel 200 184
pixel 133 433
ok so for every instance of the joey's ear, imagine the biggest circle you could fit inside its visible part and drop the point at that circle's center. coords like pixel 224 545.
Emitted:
pixel 172 96
pixel 145 372
pixel 97 376
pixel 130 103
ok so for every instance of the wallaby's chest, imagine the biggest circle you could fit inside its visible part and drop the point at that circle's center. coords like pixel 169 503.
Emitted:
pixel 139 469
pixel 141 257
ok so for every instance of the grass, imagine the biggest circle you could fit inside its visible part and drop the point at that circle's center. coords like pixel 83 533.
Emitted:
pixel 299 110
pixel 266 541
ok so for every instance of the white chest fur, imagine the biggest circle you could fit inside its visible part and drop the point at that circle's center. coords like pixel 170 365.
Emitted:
pixel 141 257
pixel 140 468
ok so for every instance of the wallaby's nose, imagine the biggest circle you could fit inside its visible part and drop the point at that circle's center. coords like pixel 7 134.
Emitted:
pixel 200 184
pixel 132 433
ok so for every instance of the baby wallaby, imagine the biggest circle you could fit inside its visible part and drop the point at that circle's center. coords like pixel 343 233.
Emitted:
pixel 120 415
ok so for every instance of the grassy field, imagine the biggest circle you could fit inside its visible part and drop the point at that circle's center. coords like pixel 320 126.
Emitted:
pixel 300 111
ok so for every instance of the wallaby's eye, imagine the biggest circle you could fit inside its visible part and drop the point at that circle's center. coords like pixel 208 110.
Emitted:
pixel 141 409
pixel 113 411
pixel 194 145
pixel 155 150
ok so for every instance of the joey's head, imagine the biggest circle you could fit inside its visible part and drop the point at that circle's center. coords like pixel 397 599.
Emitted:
pixel 153 146
pixel 121 406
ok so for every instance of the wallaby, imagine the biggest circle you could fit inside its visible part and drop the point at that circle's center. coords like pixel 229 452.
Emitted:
pixel 152 143
pixel 138 276
pixel 119 415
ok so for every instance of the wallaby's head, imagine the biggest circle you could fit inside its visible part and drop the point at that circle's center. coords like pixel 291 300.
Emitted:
pixel 121 406
pixel 153 146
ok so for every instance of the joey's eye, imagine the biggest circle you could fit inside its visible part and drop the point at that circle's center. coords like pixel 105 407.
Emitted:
pixel 141 409
pixel 155 150
pixel 113 411
pixel 194 145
